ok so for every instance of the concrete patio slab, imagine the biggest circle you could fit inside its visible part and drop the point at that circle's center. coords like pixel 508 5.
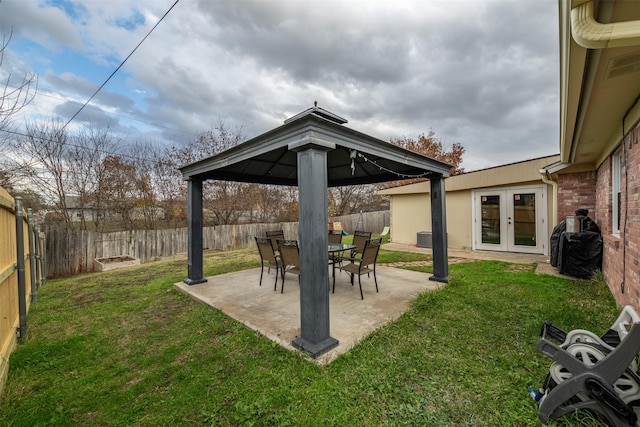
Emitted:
pixel 277 316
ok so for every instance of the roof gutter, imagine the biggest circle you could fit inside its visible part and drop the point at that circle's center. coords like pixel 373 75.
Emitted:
pixel 589 33
pixel 546 178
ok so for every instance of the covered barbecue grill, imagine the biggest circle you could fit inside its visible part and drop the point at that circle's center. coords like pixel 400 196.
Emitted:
pixel 576 246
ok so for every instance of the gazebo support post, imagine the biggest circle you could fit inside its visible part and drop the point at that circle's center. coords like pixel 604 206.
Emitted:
pixel 314 277
pixel 439 230
pixel 194 231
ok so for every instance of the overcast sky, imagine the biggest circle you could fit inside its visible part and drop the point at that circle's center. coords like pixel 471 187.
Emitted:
pixel 483 73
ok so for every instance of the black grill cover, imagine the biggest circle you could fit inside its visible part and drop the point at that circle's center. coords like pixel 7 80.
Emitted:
pixel 554 242
pixel 580 254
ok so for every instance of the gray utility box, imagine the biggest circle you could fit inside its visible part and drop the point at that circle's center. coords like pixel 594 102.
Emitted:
pixel 425 239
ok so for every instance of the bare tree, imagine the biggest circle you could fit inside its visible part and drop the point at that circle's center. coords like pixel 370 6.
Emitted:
pixel 146 193
pixel 6 179
pixel 270 203
pixel 69 168
pixel 118 189
pixel 345 200
pixel 47 165
pixel 15 94
pixel 225 201
pixel 167 185
pixel 85 164
pixel 431 146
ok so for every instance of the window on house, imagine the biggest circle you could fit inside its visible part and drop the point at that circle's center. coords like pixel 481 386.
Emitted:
pixel 616 195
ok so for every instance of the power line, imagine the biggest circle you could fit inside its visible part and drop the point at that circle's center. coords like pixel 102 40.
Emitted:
pixel 70 144
pixel 120 115
pixel 120 66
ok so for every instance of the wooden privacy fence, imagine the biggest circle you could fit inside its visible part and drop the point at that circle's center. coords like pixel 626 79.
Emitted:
pixel 367 221
pixel 22 273
pixel 73 251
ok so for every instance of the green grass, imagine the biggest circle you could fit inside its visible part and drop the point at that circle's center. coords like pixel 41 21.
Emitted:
pixel 124 348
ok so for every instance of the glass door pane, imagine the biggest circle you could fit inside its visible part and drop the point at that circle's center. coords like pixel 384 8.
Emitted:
pixel 524 219
pixel 490 217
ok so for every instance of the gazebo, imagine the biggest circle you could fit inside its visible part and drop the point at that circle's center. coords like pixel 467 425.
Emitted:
pixel 314 151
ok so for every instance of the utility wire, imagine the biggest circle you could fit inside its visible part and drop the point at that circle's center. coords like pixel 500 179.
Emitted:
pixel 70 144
pixel 119 66
pixel 125 116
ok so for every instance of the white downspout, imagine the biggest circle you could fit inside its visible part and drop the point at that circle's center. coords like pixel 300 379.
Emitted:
pixel 546 178
pixel 589 33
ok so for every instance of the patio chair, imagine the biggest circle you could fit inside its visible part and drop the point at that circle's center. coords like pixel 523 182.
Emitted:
pixel 363 265
pixel 268 258
pixel 290 256
pixel 275 235
pixel 359 239
pixel 335 236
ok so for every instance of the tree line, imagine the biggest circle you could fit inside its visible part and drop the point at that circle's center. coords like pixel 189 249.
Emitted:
pixel 88 185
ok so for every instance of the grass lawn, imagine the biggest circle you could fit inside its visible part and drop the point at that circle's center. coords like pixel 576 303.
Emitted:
pixel 124 348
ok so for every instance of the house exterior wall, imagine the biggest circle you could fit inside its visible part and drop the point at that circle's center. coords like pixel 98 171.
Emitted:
pixel 621 252
pixel 411 207
pixel 576 191
pixel 411 213
pixel 459 211
pixel 593 191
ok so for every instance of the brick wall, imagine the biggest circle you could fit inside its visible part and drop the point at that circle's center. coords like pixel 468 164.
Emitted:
pixel 604 208
pixel 576 191
pixel 612 265
pixel 620 264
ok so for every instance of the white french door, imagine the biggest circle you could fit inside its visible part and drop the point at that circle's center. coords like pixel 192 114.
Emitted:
pixel 510 219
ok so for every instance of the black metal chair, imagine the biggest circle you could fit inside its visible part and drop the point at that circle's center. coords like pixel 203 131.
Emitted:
pixel 290 257
pixel 335 236
pixel 363 265
pixel 268 258
pixel 274 236
pixel 359 239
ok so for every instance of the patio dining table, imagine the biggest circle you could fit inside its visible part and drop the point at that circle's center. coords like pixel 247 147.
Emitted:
pixel 336 248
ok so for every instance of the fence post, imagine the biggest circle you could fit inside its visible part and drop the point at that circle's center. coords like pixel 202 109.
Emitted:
pixel 43 258
pixel 32 257
pixel 22 290
pixel 36 238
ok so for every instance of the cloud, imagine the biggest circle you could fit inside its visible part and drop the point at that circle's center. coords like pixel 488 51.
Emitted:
pixel 46 25
pixel 481 73
pixel 71 84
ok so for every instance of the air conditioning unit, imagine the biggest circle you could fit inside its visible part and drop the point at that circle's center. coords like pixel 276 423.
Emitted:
pixel 424 239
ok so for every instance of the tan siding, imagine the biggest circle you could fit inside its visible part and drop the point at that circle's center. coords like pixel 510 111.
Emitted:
pixel 409 214
pixel 459 225
pixel 411 208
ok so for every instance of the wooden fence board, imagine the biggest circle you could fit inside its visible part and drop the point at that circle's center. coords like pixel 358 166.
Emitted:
pixel 11 274
pixel 367 221
pixel 73 251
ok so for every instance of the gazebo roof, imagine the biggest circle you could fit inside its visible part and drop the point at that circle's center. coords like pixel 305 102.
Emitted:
pixel 271 158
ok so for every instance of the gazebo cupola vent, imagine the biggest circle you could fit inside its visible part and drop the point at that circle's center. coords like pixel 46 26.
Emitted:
pixel 317 111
